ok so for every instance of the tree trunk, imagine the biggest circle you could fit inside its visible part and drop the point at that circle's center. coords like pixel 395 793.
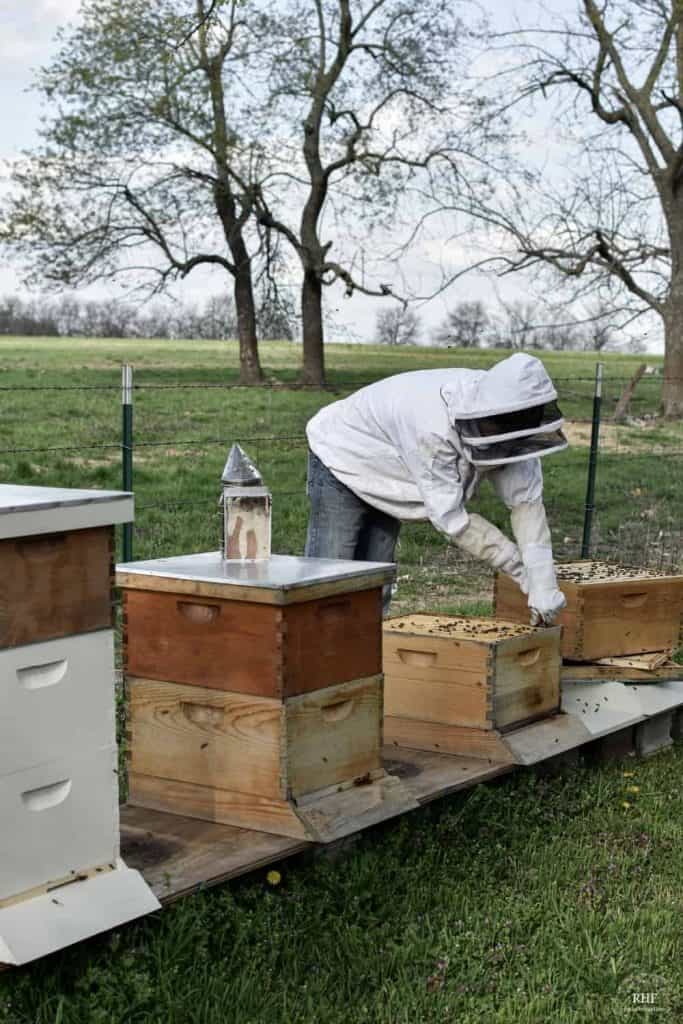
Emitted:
pixel 250 366
pixel 672 388
pixel 313 370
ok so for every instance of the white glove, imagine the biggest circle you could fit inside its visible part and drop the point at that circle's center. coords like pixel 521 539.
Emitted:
pixel 484 540
pixel 530 527
pixel 546 600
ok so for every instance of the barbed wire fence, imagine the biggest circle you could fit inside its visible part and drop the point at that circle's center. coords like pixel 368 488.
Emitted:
pixel 168 441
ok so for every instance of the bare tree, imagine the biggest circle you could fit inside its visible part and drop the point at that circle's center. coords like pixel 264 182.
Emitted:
pixel 620 224
pixel 143 168
pixel 520 319
pixel 365 96
pixel 397 325
pixel 465 326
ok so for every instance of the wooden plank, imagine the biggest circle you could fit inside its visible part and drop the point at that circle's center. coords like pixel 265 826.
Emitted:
pixel 448 702
pixel 223 645
pixel 208 737
pixel 445 739
pixel 340 813
pixel 253 595
pixel 428 775
pixel 642 662
pixel 587 672
pixel 179 855
pixel 55 585
pixel 333 736
pixel 317 651
pixel 527 677
pixel 226 806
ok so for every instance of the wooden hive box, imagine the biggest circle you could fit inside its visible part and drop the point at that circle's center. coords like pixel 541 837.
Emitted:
pixel 256 692
pixel 456 684
pixel 227 630
pixel 611 611
pixel 248 761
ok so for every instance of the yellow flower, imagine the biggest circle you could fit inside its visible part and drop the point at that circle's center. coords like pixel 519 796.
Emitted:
pixel 273 878
pixel 633 789
pixel 626 804
pixel 629 775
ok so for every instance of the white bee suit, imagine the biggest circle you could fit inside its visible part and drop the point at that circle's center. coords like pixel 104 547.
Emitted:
pixel 408 446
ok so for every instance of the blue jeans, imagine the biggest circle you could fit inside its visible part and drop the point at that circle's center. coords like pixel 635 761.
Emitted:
pixel 342 525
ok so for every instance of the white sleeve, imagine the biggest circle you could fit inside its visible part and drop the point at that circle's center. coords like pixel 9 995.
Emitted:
pixel 518 483
pixel 433 464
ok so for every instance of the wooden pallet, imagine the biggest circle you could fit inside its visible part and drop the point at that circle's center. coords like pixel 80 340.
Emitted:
pixel 179 855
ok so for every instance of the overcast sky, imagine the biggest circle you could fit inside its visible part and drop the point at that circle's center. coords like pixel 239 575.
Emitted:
pixel 27 41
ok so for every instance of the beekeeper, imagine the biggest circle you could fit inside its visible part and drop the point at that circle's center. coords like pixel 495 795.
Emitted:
pixel 416 446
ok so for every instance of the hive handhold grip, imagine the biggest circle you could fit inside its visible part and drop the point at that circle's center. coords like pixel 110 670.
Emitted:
pixel 529 657
pixel 421 659
pixel 44 797
pixel 35 677
pixel 198 613
pixel 337 712
pixel 633 600
pixel 203 715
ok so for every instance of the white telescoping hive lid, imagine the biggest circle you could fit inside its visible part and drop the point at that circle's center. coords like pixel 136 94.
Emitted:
pixel 26 511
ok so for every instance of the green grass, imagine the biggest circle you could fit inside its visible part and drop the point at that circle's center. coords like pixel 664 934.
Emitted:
pixel 535 900
pixel 531 901
pixel 638 504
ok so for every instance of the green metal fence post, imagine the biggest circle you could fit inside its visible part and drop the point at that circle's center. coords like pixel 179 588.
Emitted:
pixel 127 451
pixel 592 465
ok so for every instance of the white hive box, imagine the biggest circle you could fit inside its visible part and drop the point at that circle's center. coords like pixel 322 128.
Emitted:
pixel 61 879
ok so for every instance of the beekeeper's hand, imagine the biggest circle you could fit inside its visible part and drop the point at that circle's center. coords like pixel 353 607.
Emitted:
pixel 546 600
pixel 485 541
pixel 530 527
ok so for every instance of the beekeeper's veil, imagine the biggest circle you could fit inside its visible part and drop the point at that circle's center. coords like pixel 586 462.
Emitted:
pixel 506 414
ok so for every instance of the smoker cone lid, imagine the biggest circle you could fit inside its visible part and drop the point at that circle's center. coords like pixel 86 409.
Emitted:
pixel 240 470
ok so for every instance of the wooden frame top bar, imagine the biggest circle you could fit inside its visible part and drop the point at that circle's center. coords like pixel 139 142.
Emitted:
pixel 26 511
pixel 280 579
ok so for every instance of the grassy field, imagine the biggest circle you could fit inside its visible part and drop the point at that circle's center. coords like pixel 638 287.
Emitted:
pixel 535 901
pixel 183 431
pixel 526 902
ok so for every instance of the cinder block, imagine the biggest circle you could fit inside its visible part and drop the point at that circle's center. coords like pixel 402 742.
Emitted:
pixel 654 735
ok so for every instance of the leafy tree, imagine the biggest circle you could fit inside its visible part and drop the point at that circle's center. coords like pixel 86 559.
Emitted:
pixel 143 168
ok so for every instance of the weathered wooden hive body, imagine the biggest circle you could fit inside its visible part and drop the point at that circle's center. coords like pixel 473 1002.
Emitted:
pixel 256 692
pixel 612 610
pixel 58 758
pixel 456 685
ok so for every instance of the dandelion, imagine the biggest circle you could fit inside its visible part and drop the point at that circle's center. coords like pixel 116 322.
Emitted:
pixel 273 878
pixel 629 775
pixel 633 789
pixel 626 805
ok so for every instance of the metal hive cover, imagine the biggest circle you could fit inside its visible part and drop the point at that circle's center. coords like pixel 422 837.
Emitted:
pixel 240 470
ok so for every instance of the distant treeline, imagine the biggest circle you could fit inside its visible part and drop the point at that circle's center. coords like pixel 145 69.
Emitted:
pixel 69 317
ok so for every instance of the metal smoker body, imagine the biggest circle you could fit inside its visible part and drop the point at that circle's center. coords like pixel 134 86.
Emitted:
pixel 247 508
